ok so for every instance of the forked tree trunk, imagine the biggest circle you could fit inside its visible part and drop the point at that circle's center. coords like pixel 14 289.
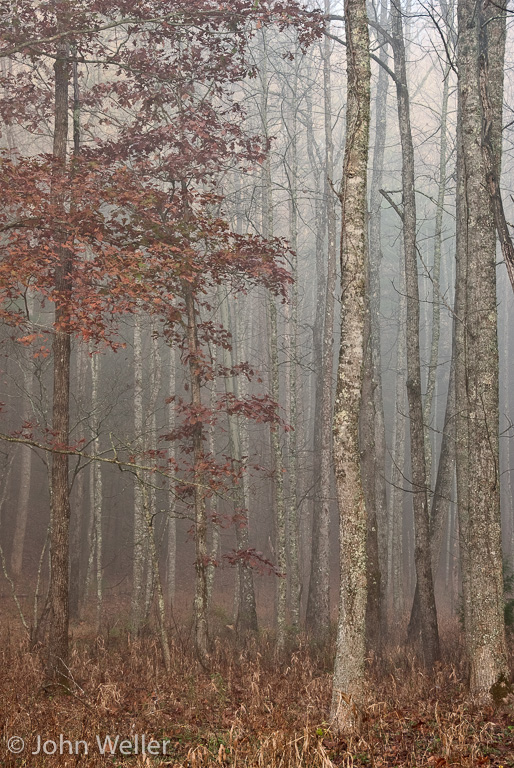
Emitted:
pixel 440 501
pixel 351 630
pixel 428 630
pixel 372 430
pixel 480 67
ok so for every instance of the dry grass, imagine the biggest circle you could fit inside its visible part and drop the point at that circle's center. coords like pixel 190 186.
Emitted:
pixel 250 709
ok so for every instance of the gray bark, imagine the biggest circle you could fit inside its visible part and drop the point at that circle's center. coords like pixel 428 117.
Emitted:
pixel 318 603
pixel 372 428
pixel 348 682
pixel 480 91
pixel 428 617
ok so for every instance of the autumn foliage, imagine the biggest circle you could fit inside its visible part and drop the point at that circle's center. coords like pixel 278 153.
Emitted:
pixel 154 122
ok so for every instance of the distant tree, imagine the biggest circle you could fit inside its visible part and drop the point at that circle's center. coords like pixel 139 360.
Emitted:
pixel 427 630
pixel 318 599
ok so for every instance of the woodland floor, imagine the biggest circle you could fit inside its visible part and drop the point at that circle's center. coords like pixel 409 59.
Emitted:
pixel 249 709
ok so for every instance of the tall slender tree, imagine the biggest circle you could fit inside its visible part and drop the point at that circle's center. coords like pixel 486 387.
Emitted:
pixel 351 630
pixel 318 601
pixel 428 629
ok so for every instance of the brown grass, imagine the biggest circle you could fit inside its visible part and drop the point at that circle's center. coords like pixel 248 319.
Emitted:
pixel 250 709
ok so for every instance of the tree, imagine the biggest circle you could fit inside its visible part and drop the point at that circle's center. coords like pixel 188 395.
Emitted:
pixel 481 46
pixel 318 601
pixel 351 631
pixel 126 222
pixel 428 616
pixel 372 429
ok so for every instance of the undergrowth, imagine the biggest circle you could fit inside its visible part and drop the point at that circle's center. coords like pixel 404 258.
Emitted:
pixel 250 708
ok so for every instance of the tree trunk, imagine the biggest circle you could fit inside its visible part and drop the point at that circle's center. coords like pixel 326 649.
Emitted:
pixel 25 464
pixel 276 448
pixel 246 619
pixel 75 594
pixel 96 489
pixel 200 516
pixel 396 498
pixel 480 66
pixel 172 520
pixel 428 629
pixel 372 429
pixel 440 503
pixel 436 281
pixel 61 347
pixel 318 602
pixel 351 647
pixel 138 566
pixel 292 368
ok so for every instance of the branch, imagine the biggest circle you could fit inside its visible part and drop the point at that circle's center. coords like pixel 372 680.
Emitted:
pixel 129 20
pixel 443 39
pixel 491 175
pixel 374 24
pixel 392 203
pixel 372 55
pixel 122 465
pixel 19 224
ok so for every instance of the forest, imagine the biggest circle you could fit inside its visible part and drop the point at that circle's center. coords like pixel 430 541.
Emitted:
pixel 256 285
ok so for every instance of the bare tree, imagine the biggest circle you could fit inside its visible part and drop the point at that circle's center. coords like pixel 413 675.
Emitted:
pixel 351 631
pixel 428 628
pixel 318 602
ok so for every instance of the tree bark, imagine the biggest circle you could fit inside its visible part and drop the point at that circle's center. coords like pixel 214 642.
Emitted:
pixel 480 66
pixel 61 348
pixel 96 488
pixel 292 369
pixel 276 448
pixel 25 464
pixel 172 520
pixel 440 502
pixel 138 566
pixel 428 628
pixel 396 500
pixel 200 515
pixel 246 619
pixel 351 647
pixel 372 429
